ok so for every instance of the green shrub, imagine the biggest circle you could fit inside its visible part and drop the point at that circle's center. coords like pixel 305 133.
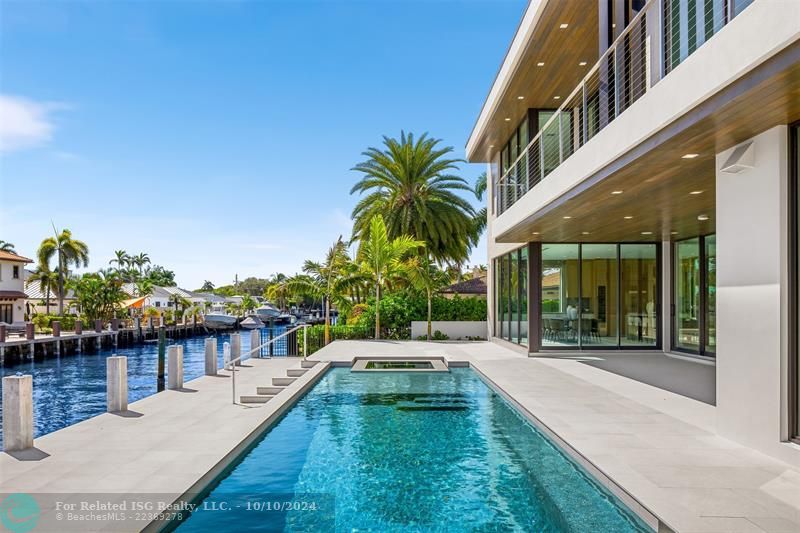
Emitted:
pixel 399 310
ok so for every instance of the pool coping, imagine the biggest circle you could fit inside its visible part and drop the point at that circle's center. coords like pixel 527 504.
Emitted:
pixel 630 501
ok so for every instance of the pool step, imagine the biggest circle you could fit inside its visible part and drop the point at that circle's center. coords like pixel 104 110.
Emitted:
pixel 268 390
pixel 308 364
pixel 296 372
pixel 283 382
pixel 256 398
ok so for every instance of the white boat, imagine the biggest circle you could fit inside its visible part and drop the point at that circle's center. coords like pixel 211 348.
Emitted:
pixel 251 322
pixel 219 321
pixel 268 313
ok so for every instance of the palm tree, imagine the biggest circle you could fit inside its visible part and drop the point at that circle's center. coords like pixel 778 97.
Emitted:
pixel 410 183
pixel 426 276
pixel 139 261
pixel 248 303
pixel 278 291
pixel 479 221
pixel 323 280
pixel 121 259
pixel 207 286
pixel 48 282
pixel 381 256
pixel 6 246
pixel 68 251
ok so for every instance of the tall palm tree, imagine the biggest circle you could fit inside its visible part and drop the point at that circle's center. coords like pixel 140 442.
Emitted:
pixel 324 280
pixel 426 276
pixel 381 256
pixel 139 261
pixel 479 221
pixel 121 259
pixel 68 251
pixel 48 282
pixel 6 246
pixel 410 183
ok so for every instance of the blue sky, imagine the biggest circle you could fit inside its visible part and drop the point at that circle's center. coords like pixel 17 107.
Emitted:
pixel 219 136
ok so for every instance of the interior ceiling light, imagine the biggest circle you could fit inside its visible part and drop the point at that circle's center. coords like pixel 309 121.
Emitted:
pixel 616 192
pixel 520 98
pixel 702 218
pixel 540 64
pixel 584 233
pixel 627 217
pixel 647 233
pixel 673 232
pixel 567 217
pixel 556 97
pixel 564 26
pixel 536 233
pixel 508 119
pixel 696 192
pixel 582 63
pixel 689 156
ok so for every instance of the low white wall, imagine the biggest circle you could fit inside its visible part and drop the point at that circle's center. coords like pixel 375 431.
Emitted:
pixel 452 328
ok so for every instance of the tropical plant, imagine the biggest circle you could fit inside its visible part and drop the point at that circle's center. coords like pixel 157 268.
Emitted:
pixel 207 286
pixel 248 303
pixel 479 221
pixel 67 251
pixel 279 291
pixel 428 278
pixel 98 294
pixel 382 256
pixel 160 276
pixel 151 312
pixel 121 259
pixel 324 280
pixel 6 246
pixel 143 287
pixel 139 261
pixel 410 182
pixel 47 280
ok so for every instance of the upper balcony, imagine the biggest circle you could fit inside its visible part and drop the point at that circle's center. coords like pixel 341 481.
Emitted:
pixel 659 38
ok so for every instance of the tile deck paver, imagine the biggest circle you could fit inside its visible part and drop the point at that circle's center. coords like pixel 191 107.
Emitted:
pixel 659 447
pixel 170 449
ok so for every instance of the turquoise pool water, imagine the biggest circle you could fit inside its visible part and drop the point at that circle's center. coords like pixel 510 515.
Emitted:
pixel 407 451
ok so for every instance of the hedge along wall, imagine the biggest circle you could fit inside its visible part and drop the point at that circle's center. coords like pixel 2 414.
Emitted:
pixel 400 310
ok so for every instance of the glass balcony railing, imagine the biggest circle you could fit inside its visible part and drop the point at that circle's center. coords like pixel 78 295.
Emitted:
pixel 658 39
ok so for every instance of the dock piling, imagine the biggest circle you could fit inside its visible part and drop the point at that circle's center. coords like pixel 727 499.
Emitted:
pixel 116 384
pixel 211 356
pixel 175 372
pixel 226 354
pixel 162 350
pixel 17 413
pixel 236 347
pixel 255 341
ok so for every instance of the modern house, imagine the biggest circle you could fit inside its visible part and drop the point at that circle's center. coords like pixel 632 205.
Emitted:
pixel 12 287
pixel 643 194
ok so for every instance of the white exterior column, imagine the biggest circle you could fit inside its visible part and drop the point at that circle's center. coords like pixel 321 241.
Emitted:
pixel 752 225
pixel 17 413
pixel 116 384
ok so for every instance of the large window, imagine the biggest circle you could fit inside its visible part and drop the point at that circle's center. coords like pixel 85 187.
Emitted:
pixel 695 295
pixel 600 295
pixel 511 296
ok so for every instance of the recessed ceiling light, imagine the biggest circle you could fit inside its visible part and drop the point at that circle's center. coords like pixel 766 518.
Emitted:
pixel 540 64
pixel 673 232
pixel 582 64
pixel 647 233
pixel 556 97
pixel 702 218
pixel 566 217
pixel 520 98
pixel 564 26
pixel 689 156
pixel 616 192
pixel 584 233
pixel 696 192
pixel 536 233
pixel 627 217
pixel 508 119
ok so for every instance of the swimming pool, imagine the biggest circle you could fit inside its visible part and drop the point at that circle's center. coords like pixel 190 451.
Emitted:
pixel 407 452
pixel 72 388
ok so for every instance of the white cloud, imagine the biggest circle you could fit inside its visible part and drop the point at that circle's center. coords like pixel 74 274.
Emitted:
pixel 24 123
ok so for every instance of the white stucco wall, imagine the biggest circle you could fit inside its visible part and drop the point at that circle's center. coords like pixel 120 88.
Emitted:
pixel 752 215
pixel 453 329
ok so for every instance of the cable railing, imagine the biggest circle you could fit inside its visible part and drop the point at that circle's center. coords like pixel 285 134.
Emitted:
pixel 658 38
pixel 231 364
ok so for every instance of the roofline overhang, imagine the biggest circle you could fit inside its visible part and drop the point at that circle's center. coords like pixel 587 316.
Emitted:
pixel 505 74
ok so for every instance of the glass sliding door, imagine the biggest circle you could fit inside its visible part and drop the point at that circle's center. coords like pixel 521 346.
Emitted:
pixel 711 295
pixel 695 295
pixel 598 307
pixel 514 297
pixel 523 296
pixel 503 314
pixel 560 293
pixel 639 292
pixel 687 295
